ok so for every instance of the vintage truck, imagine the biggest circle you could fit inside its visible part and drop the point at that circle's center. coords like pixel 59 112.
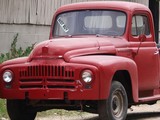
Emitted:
pixel 101 57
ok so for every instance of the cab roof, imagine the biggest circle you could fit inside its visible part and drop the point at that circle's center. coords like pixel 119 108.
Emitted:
pixel 116 5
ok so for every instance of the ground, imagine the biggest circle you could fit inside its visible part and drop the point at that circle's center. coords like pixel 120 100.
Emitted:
pixel 139 112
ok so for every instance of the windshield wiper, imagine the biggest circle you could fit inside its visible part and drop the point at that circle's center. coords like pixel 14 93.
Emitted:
pixel 102 35
pixel 65 36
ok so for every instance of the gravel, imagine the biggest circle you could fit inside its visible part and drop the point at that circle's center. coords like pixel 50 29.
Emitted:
pixel 138 112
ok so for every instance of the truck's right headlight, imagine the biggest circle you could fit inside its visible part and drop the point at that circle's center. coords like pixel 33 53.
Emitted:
pixel 7 76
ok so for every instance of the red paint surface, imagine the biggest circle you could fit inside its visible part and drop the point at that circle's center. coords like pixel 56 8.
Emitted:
pixel 54 67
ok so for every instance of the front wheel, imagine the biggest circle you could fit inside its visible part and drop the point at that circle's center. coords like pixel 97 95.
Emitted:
pixel 115 107
pixel 18 110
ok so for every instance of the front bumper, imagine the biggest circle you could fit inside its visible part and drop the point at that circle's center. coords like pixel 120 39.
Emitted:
pixel 55 80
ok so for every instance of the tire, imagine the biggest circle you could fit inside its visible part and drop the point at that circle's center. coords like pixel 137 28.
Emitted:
pixel 115 107
pixel 18 110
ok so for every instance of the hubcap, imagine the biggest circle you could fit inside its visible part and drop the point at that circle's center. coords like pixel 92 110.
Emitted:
pixel 117 104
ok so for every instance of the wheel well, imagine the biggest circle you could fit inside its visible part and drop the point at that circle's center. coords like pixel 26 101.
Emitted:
pixel 123 77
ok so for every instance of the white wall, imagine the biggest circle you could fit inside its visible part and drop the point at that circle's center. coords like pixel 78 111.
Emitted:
pixel 28 34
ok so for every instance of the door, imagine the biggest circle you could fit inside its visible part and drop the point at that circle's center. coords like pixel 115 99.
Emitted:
pixel 146 56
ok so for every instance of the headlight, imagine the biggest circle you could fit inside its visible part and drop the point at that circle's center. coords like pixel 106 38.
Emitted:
pixel 7 76
pixel 87 76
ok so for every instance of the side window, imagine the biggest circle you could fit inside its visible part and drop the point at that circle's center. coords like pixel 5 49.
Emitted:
pixel 140 25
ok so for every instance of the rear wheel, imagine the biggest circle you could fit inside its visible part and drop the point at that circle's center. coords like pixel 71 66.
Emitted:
pixel 115 108
pixel 18 110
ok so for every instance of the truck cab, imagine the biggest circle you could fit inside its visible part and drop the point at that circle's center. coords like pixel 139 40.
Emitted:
pixel 100 58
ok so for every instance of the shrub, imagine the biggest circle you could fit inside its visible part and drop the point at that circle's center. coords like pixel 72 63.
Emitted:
pixel 15 52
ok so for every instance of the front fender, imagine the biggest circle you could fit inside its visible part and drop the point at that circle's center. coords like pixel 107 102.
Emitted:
pixel 108 65
pixel 15 61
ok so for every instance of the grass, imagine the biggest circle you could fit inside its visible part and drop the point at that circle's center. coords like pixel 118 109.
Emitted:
pixel 3 111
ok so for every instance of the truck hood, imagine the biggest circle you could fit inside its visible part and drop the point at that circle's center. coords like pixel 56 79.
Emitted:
pixel 70 47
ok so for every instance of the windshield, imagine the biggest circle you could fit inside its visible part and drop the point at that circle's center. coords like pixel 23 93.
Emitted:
pixel 90 22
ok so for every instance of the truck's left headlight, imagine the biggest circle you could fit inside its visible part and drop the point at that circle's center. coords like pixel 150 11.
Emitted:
pixel 87 76
pixel 7 76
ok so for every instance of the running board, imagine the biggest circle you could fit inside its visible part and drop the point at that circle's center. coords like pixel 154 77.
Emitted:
pixel 147 99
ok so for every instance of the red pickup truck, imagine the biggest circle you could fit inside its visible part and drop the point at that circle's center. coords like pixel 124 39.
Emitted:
pixel 101 58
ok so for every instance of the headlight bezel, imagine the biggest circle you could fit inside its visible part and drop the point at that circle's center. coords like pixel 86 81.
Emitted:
pixel 7 76
pixel 87 76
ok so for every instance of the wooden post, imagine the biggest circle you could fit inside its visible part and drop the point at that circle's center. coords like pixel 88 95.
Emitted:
pixel 154 7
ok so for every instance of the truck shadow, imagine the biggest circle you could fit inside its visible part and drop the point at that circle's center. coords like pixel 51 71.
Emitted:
pixel 137 116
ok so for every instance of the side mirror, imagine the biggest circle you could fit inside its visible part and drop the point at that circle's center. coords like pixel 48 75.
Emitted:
pixel 142 38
